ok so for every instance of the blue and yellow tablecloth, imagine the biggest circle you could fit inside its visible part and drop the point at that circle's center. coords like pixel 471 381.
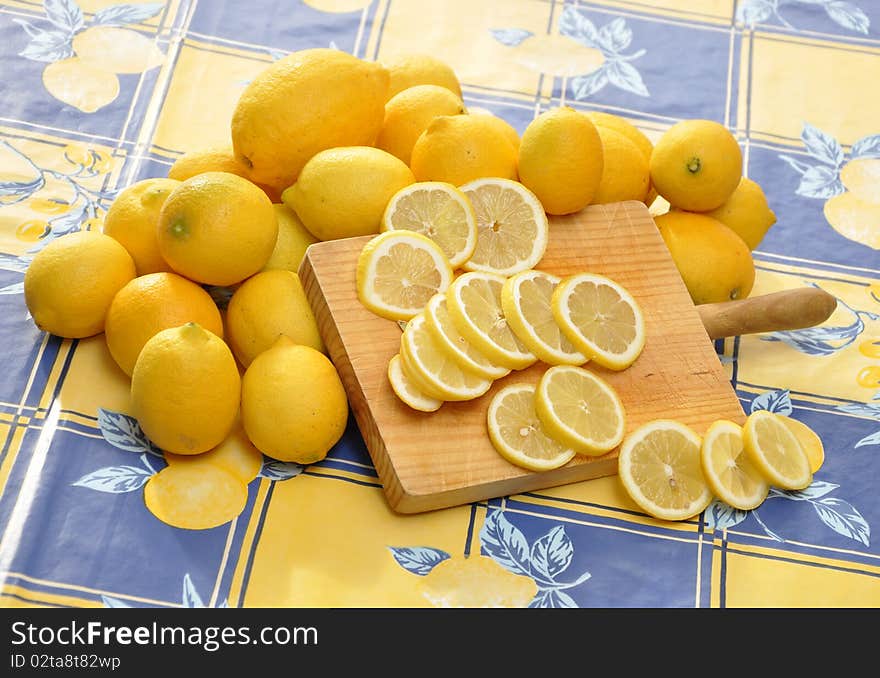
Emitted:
pixel 97 94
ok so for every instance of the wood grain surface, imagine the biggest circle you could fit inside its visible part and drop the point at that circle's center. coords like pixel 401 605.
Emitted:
pixel 428 461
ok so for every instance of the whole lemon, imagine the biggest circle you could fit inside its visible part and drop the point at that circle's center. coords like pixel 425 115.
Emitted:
pixel 411 69
pixel 151 303
pixel 71 282
pixel 625 174
pixel 460 148
pixel 185 389
pixel 220 158
pixel 217 228
pixel 561 160
pixel 132 219
pixel 714 262
pixel 623 126
pixel 308 101
pixel 342 192
pixel 746 212
pixel 499 123
pixel 696 165
pixel 293 404
pixel 266 306
pixel 408 114
pixel 292 242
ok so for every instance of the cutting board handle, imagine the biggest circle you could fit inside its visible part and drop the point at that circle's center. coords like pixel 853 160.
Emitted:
pixel 785 310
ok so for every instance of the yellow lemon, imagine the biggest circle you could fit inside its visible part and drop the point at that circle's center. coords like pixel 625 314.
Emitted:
pixel 306 102
pixel 408 114
pixel 71 282
pixel 342 192
pixel 185 389
pixel 411 69
pixel 235 454
pixel 151 303
pixel 625 173
pixel 80 84
pixel 862 178
pixel 133 218
pixel 624 127
pixel 217 228
pixel 714 262
pixel 118 50
pixel 561 160
pixel 809 440
pixel 292 242
pixel 461 148
pixel 500 123
pixel 293 404
pixel 215 159
pixel 476 581
pixel 696 165
pixel 264 307
pixel 854 218
pixel 746 212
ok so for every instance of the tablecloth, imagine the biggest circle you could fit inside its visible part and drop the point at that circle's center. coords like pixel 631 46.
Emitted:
pixel 795 81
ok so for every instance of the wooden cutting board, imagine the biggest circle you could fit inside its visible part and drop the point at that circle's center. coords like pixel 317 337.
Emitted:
pixel 428 461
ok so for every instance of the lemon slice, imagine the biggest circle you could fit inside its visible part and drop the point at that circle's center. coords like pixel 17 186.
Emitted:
pixel 580 409
pixel 460 349
pixel 808 439
pixel 659 466
pixel 600 318
pixel 518 435
pixel 432 370
pixel 525 300
pixel 727 468
pixel 438 210
pixel 474 304
pixel 776 451
pixel 406 390
pixel 512 228
pixel 398 271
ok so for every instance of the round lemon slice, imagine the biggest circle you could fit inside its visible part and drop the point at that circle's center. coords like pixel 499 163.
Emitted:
pixel 460 349
pixel 438 210
pixel 809 440
pixel 474 304
pixel 600 318
pixel 398 271
pixel 775 451
pixel 727 468
pixel 512 227
pixel 432 370
pixel 518 435
pixel 406 390
pixel 659 467
pixel 580 409
pixel 525 300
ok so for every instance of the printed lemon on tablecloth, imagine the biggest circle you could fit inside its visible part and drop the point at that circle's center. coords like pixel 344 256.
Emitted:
pixel 236 454
pixel 195 496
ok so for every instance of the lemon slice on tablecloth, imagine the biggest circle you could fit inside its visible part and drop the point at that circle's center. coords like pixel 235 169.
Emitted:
pixel 809 440
pixel 727 468
pixel 474 304
pixel 518 435
pixel 407 392
pixel 600 318
pixel 776 451
pixel 512 227
pixel 525 301
pixel 659 467
pixel 580 409
pixel 398 271
pixel 439 211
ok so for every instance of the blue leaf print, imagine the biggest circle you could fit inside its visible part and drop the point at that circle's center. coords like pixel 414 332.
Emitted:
pixel 113 602
pixel 720 516
pixel 797 165
pixel 65 14
pixel 115 479
pixel 873 439
pixel 584 86
pixel 191 597
pixel 844 519
pixel 615 36
pixel 820 182
pixel 816 340
pixel 822 146
pixel 9 262
pixel 625 76
pixel 48 46
pixel 510 36
pixel 553 599
pixel 751 12
pixel 119 15
pixel 505 543
pixel 124 432
pixel 551 554
pixel 14 288
pixel 418 559
pixel 774 401
pixel 866 147
pixel 848 15
pixel 818 489
pixel 576 26
pixel 861 409
pixel 279 470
